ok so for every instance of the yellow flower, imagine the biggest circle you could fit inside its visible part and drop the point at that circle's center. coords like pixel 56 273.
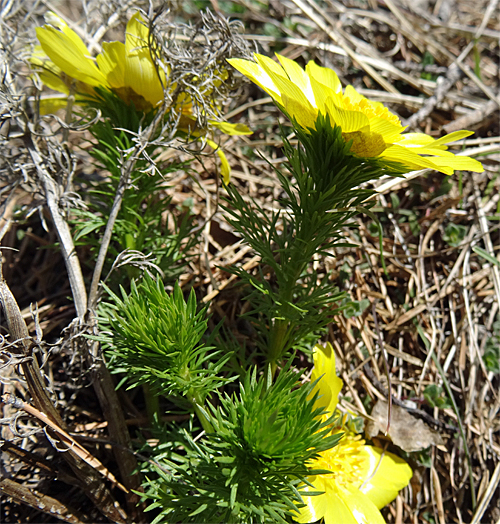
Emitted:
pixel 373 129
pixel 363 478
pixel 126 69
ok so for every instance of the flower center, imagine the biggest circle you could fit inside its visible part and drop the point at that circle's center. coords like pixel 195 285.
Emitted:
pixel 346 461
pixel 365 144
pixel 371 109
pixel 128 95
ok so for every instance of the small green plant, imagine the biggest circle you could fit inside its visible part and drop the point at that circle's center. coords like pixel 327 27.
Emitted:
pixel 454 234
pixel 491 355
pixel 410 216
pixel 435 397
pixel 355 308
pixel 428 59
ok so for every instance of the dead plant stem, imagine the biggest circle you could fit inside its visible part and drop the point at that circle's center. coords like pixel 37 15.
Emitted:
pixel 63 233
pixel 115 209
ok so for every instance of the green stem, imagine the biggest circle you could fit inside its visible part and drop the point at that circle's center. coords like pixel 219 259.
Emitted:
pixel 197 403
pixel 202 415
pixel 279 332
pixel 152 404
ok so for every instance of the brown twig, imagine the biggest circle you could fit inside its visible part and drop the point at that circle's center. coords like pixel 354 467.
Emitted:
pixel 386 365
pixel 65 437
pixel 41 502
pixel 91 480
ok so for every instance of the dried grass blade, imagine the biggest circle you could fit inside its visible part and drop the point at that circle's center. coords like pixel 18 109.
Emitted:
pixel 77 448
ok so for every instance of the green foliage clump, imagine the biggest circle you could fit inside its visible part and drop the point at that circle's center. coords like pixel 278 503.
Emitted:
pixel 454 234
pixel 355 308
pixel 321 196
pixel 146 223
pixel 157 339
pixel 436 398
pixel 251 467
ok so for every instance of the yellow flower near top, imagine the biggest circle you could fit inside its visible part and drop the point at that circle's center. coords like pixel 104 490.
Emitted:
pixel 126 69
pixel 362 479
pixel 373 129
pixel 130 69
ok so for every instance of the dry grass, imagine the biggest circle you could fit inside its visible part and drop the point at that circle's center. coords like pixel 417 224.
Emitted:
pixel 437 297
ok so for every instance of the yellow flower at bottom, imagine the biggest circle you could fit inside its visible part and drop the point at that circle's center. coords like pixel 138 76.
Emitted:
pixel 362 479
pixel 375 132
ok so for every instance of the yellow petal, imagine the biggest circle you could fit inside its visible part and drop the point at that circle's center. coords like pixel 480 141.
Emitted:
pixel 448 165
pixel 452 137
pixel 140 71
pixel 269 65
pixel 339 505
pixel 387 475
pixel 391 132
pixel 315 506
pixel 303 113
pixel 365 143
pixel 67 51
pixel 231 129
pixel 325 76
pixel 49 73
pixel 298 77
pixel 325 84
pixel 321 95
pixel 285 86
pixel 421 139
pixel 415 139
pixel 225 167
pixel 136 35
pixel 410 158
pixel 58 23
pixel 330 384
pixel 255 73
pixel 347 505
pixel 349 121
pixel 352 95
pixel 112 63
pixel 51 105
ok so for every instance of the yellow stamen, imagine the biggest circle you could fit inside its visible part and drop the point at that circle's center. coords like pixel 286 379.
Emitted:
pixel 345 461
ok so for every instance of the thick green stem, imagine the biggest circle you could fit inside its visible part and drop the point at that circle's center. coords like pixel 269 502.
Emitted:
pixel 197 403
pixel 277 342
pixel 152 404
pixel 280 330
pixel 202 417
